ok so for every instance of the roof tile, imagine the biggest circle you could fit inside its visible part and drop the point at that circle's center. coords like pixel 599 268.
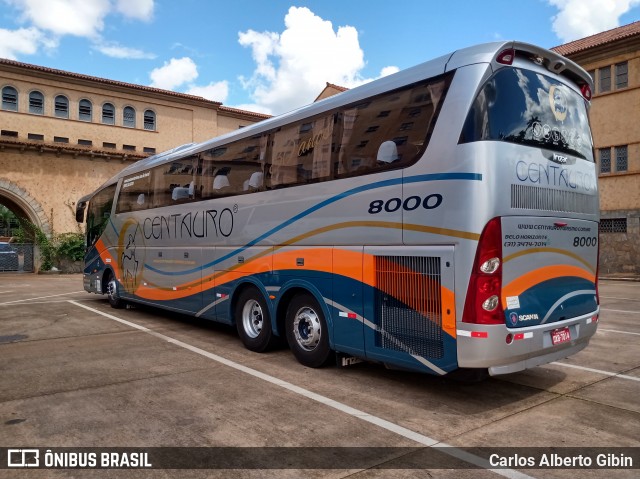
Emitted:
pixel 105 81
pixel 626 31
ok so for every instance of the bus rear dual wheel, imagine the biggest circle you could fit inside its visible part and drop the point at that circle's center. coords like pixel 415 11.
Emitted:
pixel 306 329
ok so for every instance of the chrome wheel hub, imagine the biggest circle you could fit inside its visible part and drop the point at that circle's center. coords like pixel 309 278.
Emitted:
pixel 112 289
pixel 252 318
pixel 307 328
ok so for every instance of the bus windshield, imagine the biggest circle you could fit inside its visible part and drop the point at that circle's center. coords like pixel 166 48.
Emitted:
pixel 528 108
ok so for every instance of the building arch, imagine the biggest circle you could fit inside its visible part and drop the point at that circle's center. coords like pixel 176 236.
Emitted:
pixel 23 205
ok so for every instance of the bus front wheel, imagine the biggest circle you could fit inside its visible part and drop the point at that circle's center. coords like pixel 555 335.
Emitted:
pixel 253 321
pixel 112 292
pixel 307 332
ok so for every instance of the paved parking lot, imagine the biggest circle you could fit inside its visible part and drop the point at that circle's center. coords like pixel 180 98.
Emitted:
pixel 76 373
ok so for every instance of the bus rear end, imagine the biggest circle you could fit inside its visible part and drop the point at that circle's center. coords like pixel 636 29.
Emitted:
pixel 532 293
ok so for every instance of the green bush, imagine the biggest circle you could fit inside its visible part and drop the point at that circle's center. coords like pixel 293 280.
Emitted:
pixel 60 246
pixel 70 246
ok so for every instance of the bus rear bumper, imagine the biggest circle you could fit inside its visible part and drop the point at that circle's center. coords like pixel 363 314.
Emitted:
pixel 537 360
pixel 484 346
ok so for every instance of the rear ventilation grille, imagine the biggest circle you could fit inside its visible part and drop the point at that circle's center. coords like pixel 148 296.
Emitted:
pixel 545 199
pixel 408 305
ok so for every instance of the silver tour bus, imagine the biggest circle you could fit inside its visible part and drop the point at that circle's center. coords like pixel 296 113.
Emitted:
pixel 439 218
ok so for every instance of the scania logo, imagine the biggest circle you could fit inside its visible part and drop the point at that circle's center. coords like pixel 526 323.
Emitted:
pixel 559 159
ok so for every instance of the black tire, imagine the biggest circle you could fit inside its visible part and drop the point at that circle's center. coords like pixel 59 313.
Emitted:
pixel 113 295
pixel 307 331
pixel 253 321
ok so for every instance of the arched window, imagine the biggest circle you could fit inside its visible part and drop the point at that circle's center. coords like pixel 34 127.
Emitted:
pixel 61 106
pixel 149 120
pixel 9 98
pixel 108 114
pixel 129 117
pixel 36 103
pixel 84 110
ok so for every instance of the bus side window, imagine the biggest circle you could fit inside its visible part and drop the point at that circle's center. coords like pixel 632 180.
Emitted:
pixel 174 183
pixel 227 170
pixel 303 152
pixel 369 130
pixel 135 193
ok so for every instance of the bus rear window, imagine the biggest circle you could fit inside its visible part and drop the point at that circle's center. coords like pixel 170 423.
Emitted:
pixel 528 108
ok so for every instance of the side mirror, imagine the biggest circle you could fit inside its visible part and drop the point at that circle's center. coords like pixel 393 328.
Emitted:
pixel 80 207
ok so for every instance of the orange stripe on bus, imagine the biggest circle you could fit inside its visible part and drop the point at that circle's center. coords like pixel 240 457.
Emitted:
pixel 348 263
pixel 106 257
pixel 549 250
pixel 529 280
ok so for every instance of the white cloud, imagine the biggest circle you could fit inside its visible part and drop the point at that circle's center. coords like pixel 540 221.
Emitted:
pixel 294 66
pixel 582 18
pixel 181 73
pixel 115 50
pixel 136 9
pixel 386 71
pixel 25 41
pixel 174 73
pixel 81 18
pixel 213 91
pixel 65 17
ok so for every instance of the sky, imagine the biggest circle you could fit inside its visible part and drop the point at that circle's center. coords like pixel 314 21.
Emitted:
pixel 272 56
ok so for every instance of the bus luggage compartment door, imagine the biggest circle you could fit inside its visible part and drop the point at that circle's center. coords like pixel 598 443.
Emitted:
pixel 410 310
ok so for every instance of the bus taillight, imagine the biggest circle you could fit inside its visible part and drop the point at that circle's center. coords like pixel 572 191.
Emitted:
pixel 483 305
pixel 586 92
pixel 506 57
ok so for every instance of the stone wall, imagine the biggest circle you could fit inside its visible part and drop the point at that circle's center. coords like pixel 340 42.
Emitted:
pixel 620 252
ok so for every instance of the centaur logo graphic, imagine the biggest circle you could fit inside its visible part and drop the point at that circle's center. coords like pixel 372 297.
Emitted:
pixel 23 458
pixel 558 103
pixel 130 250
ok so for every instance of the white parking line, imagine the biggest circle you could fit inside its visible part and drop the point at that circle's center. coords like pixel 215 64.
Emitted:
pixel 356 413
pixel 40 297
pixel 599 371
pixel 624 299
pixel 617 331
pixel 620 311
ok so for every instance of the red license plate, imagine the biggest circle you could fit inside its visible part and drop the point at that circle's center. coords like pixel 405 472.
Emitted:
pixel 561 335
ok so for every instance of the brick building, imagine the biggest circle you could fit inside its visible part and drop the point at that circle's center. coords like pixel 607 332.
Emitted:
pixel 63 134
pixel 613 60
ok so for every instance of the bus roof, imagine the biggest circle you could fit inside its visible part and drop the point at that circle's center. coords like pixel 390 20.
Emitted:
pixel 483 53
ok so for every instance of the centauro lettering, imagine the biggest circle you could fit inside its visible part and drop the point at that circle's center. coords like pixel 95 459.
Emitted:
pixel 198 224
pixel 554 175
